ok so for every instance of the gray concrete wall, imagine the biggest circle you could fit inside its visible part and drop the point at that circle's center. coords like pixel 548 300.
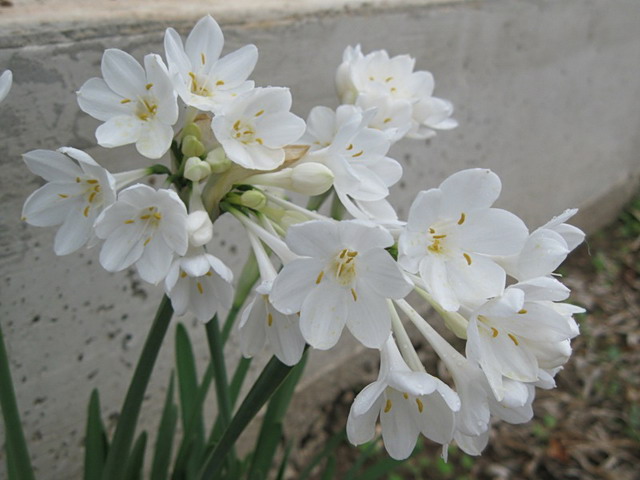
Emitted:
pixel 546 94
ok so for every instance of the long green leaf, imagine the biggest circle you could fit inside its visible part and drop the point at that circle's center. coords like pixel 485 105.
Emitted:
pixel 380 469
pixel 128 420
pixel 271 430
pixel 15 442
pixel 187 380
pixel 284 461
pixel 365 452
pixel 164 440
pixel 95 442
pixel 269 380
pixel 135 462
pixel 248 277
pixel 329 447
pixel 330 468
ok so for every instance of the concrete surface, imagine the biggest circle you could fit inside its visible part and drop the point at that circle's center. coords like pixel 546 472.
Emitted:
pixel 546 94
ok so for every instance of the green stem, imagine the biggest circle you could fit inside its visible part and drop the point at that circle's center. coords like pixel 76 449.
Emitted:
pixel 269 380
pixel 123 437
pixel 15 443
pixel 216 347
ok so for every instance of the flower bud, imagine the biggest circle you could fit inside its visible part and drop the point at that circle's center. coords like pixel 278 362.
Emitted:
pixel 191 146
pixel 199 228
pixel 311 178
pixel 192 129
pixel 218 160
pixel 196 169
pixel 291 217
pixel 253 199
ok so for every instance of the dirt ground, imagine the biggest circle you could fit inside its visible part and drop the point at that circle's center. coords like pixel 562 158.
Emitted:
pixel 588 428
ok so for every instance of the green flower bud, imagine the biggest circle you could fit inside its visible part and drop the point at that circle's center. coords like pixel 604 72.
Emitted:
pixel 191 146
pixel 192 129
pixel 218 160
pixel 196 169
pixel 253 199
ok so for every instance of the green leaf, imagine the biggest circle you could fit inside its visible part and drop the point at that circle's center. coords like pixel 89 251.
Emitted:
pixel 269 380
pixel 329 447
pixel 164 440
pixel 365 452
pixel 128 419
pixel 96 445
pixel 14 436
pixel 285 460
pixel 380 469
pixel 135 462
pixel 330 469
pixel 187 380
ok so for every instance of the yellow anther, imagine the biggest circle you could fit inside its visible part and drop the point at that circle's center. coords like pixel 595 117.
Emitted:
pixel 393 89
pixel 63 195
pixel 208 274
pixel 359 154
pixel 354 295
pixel 92 196
pixel 183 274
pixel 405 395
pixel 432 231
pixel 92 181
pixel 125 100
pixel 522 312
pixel 86 211
pixel 350 147
pixel 467 258
pixel 203 59
pixel 320 275
pixel 259 140
pixel 97 188
pixel 435 247
pixel 372 78
pixel 439 236
pixel 343 253
pixel 420 405
pixel 259 113
pixel 513 339
pixel 388 406
pixel 340 268
pixel 236 126
pixel 193 77
pixel 352 254
pixel 145 217
pixel 388 79
pixel 387 120
pixel 157 216
pixel 129 222
pixel 220 82
pixel 495 332
pixel 462 218
pixel 77 179
pixel 269 319
pixel 148 86
pixel 200 289
pixel 146 242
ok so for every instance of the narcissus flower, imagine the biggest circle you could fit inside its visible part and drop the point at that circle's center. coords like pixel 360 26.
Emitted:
pixel 345 277
pixel 138 105
pixel 73 198
pixel 146 227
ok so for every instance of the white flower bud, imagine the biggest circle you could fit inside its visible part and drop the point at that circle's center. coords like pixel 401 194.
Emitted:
pixel 218 160
pixel 291 217
pixel 311 178
pixel 196 169
pixel 200 228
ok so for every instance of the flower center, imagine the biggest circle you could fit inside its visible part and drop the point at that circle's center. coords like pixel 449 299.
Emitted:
pixel 146 109
pixel 245 133
pixel 344 267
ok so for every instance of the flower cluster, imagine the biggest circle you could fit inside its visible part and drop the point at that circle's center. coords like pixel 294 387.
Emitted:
pixel 239 149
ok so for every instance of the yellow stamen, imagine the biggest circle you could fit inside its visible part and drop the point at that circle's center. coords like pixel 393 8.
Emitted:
pixel 148 86
pixel 388 406
pixel 125 100
pixel 219 83
pixel 259 140
pixel 513 339
pixel 462 218
pixel 432 231
pixel 200 289
pixel 354 295
pixel 343 253
pixel 386 120
pixel 393 89
pixel 388 79
pixel 183 274
pixel 352 254
pixel 203 59
pixel 439 236
pixel 467 258
pixel 62 195
pixel 522 312
pixel 146 242
pixel 157 216
pixel 259 113
pixel 320 275
pixel 420 405
pixel 86 211
pixel 269 319
pixel 405 395
pixel 359 154
pixel 236 126
pixel 92 196
pixel 495 332
pixel 208 274
pixel 92 181
pixel 145 217
pixel 350 147
pixel 129 222
pixel 372 78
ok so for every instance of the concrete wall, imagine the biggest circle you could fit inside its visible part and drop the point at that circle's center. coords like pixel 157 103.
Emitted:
pixel 546 94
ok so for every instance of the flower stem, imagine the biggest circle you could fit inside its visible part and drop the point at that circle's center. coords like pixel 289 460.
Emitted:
pixel 123 437
pixel 15 443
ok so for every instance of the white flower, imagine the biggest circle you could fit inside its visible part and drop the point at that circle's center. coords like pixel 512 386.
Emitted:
pixel 308 178
pixel 380 76
pixel 408 403
pixel 256 126
pixel 260 322
pixel 354 153
pixel 73 198
pixel 6 79
pixel 510 337
pixel 137 105
pixel 145 227
pixel 201 78
pixel 451 233
pixel 345 278
pixel 200 283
